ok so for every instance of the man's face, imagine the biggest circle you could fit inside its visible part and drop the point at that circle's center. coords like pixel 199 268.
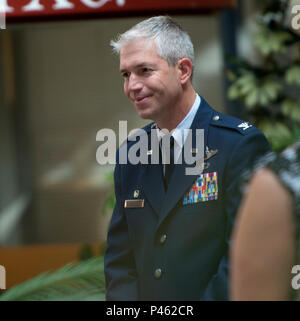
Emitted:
pixel 150 83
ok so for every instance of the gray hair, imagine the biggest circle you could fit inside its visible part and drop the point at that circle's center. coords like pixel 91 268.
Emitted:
pixel 171 41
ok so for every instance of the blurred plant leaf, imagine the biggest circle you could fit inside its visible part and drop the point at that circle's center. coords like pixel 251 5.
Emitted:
pixel 243 87
pixel 292 75
pixel 234 92
pixel 82 281
pixel 278 134
pixel 296 133
pixel 271 88
pixel 269 41
pixel 230 75
pixel 252 99
pixel 291 108
pixel 255 91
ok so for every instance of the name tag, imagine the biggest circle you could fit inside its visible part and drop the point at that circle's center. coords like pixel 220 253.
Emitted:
pixel 134 203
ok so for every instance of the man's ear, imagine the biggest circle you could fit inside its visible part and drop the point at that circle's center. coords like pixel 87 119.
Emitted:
pixel 185 67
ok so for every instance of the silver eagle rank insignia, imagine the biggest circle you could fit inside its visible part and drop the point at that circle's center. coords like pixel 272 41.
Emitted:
pixel 244 125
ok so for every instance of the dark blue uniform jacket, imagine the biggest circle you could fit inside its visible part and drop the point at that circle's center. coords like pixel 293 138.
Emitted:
pixel 168 250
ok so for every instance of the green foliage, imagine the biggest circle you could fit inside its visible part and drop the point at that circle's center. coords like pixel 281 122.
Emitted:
pixel 254 91
pixel 296 134
pixel 278 134
pixel 291 108
pixel 270 91
pixel 82 281
pixel 269 41
pixel 292 75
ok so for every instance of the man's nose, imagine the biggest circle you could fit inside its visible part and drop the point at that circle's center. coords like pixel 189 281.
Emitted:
pixel 134 83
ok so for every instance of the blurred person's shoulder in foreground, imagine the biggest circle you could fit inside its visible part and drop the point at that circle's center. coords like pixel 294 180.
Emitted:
pixel 265 251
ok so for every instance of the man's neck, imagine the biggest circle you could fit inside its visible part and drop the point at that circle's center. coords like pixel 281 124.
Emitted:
pixel 179 111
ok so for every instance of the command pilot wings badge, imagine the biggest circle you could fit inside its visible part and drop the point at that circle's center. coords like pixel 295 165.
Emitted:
pixel 209 153
pixel 244 125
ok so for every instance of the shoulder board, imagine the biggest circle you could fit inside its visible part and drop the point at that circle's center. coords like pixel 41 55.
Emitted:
pixel 225 121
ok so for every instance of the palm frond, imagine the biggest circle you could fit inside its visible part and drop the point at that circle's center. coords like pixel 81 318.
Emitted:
pixel 73 282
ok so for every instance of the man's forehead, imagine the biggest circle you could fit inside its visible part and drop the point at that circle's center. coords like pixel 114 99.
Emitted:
pixel 138 48
pixel 137 54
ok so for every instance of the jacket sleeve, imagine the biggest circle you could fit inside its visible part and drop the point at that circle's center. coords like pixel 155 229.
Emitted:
pixel 243 157
pixel 119 264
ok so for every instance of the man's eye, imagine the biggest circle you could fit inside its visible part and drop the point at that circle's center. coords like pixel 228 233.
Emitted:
pixel 125 74
pixel 146 69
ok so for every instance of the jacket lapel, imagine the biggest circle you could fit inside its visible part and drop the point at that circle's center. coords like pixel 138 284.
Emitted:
pixel 180 182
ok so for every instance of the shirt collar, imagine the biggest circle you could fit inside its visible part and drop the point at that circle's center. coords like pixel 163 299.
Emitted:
pixel 178 133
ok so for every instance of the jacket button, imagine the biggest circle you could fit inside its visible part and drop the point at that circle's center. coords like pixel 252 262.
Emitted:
pixel 217 117
pixel 163 239
pixel 158 273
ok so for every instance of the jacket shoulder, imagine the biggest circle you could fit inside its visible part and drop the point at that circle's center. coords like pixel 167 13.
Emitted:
pixel 232 123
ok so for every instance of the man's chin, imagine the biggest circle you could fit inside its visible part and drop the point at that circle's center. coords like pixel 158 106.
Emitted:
pixel 145 114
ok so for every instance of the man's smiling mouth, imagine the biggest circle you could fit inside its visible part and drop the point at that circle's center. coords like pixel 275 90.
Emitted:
pixel 141 99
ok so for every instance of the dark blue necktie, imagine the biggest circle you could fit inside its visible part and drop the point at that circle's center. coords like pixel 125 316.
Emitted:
pixel 169 167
